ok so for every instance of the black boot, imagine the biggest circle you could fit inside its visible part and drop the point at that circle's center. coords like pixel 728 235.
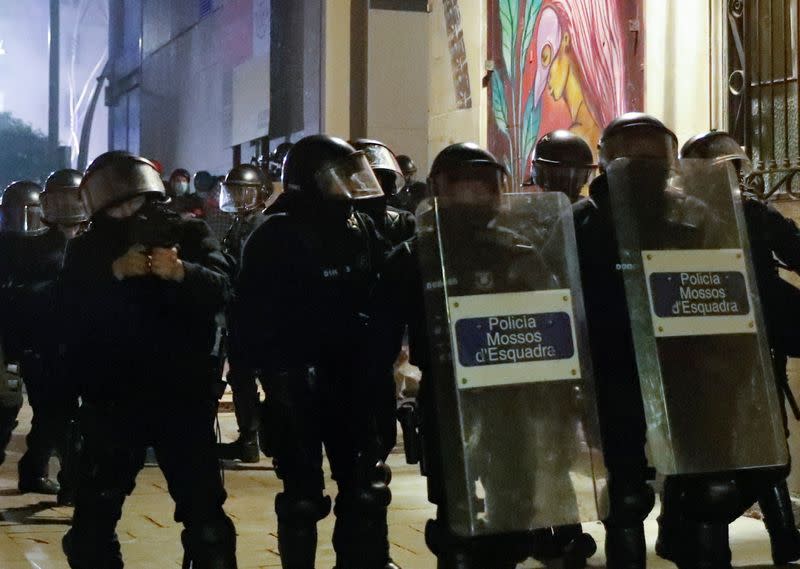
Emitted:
pixel 33 476
pixel 776 505
pixel 625 547
pixel 575 546
pixel 670 521
pixel 707 547
pixel 244 449
pixel 245 405
pixel 210 545
pixel 297 528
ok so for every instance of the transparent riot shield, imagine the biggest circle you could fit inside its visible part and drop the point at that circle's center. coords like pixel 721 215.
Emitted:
pixel 704 363
pixel 516 431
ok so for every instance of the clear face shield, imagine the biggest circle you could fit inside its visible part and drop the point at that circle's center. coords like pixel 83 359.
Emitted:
pixel 349 179
pixel 476 184
pixel 27 220
pixel 661 147
pixel 554 177
pixel 63 208
pixel 386 168
pixel 238 198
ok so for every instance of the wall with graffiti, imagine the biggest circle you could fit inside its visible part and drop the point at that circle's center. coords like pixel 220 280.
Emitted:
pixel 572 64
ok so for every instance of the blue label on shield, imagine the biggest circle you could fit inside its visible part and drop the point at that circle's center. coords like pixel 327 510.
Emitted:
pixel 514 339
pixel 711 293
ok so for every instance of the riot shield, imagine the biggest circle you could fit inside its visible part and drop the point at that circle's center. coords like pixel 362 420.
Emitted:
pixel 509 374
pixel 704 364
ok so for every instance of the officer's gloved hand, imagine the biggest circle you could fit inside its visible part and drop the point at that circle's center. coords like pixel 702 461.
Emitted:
pixel 166 265
pixel 134 263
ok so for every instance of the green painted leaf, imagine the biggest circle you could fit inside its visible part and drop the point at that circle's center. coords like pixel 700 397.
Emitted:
pixel 531 13
pixel 509 21
pixel 499 106
pixel 530 127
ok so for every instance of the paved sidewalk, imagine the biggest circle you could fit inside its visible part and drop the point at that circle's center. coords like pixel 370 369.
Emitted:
pixel 31 529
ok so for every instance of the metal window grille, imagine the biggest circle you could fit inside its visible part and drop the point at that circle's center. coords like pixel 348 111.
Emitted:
pixel 763 92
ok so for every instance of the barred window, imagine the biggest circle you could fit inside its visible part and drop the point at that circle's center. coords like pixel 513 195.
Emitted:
pixel 763 90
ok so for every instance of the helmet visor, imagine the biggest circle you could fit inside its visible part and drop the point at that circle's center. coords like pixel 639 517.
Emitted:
pixel 63 208
pixel 349 179
pixel 33 223
pixel 385 165
pixel 561 178
pixel 237 198
pixel 660 146
pixel 27 220
pixel 475 183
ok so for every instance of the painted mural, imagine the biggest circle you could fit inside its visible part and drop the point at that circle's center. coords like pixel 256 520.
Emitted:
pixel 572 64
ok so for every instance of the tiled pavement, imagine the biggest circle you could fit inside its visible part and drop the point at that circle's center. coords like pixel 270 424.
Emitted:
pixel 31 527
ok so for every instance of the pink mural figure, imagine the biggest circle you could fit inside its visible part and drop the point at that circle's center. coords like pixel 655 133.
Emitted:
pixel 580 60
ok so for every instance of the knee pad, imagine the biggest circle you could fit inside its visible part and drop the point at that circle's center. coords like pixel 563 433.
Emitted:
pixel 369 501
pixel 293 509
pixel 629 503
pixel 382 473
pixel 712 500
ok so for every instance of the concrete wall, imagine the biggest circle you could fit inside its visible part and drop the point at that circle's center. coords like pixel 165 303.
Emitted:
pixel 448 124
pixel 397 82
pixel 337 68
pixel 678 65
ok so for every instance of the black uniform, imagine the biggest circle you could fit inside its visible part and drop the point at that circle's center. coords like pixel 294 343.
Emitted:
pixel 29 266
pixel 140 352
pixel 396 226
pixel 620 406
pixel 241 377
pixel 772 235
pixel 309 279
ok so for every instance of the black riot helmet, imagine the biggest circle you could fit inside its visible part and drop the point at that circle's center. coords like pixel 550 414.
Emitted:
pixel 467 173
pixel 244 189
pixel 21 209
pixel 327 168
pixel 205 182
pixel 407 166
pixel 384 163
pixel 561 162
pixel 61 199
pixel 637 135
pixel 275 161
pixel 715 145
pixel 116 177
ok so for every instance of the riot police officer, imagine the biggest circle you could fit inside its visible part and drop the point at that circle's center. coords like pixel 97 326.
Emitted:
pixel 395 225
pixel 275 161
pixel 561 162
pixel 32 253
pixel 622 419
pixel 308 277
pixel 775 241
pixel 485 423
pixel 243 194
pixel 702 377
pixel 413 191
pixel 62 211
pixel 141 290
